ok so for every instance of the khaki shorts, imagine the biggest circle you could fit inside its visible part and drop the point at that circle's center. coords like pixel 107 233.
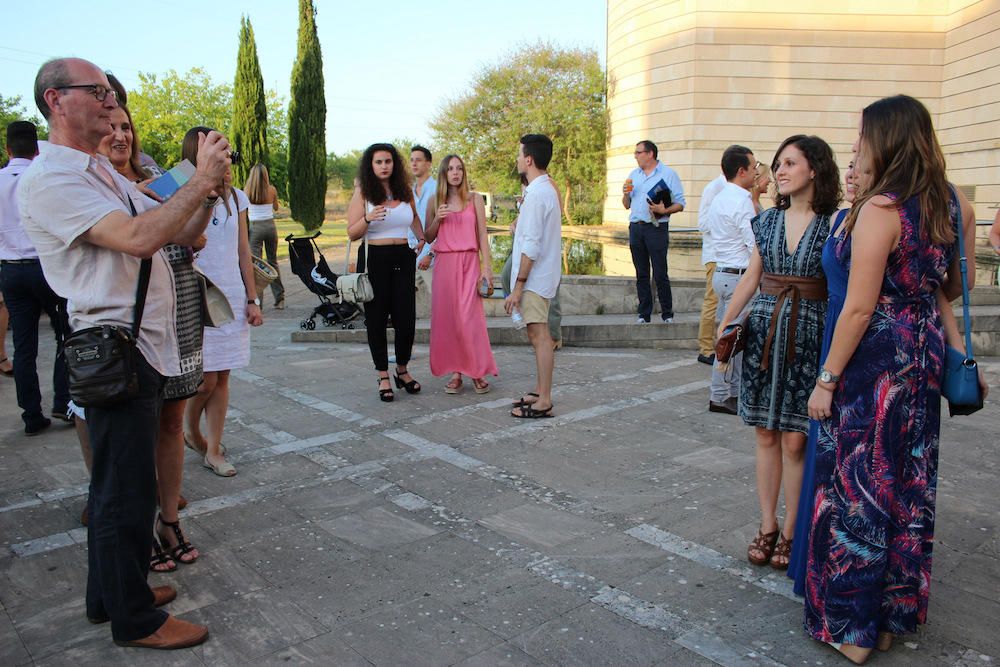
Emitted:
pixel 534 308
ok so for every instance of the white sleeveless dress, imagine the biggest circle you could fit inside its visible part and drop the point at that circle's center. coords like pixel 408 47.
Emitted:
pixel 226 347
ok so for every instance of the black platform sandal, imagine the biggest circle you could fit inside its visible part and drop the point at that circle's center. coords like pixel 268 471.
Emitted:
pixel 183 547
pixel 385 395
pixel 411 387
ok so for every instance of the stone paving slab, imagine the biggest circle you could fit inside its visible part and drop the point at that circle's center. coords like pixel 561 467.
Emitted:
pixel 438 530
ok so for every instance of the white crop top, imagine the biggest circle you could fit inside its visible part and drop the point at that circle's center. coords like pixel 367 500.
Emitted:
pixel 260 212
pixel 397 221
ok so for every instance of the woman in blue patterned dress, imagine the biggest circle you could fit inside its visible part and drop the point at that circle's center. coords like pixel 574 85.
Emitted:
pixel 879 395
pixel 783 330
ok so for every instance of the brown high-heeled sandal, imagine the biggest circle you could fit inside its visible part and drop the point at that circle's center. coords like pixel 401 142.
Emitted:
pixel 782 550
pixel 885 640
pixel 763 544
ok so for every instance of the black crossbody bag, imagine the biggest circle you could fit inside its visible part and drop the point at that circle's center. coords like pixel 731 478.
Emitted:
pixel 102 361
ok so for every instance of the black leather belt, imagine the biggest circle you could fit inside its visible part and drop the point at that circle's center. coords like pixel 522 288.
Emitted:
pixel 730 269
pixel 34 260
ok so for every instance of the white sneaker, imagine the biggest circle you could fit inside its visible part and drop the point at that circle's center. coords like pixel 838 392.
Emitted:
pixel 668 320
pixel 642 321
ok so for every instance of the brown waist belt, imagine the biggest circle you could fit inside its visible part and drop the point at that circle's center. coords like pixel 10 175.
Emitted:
pixel 788 287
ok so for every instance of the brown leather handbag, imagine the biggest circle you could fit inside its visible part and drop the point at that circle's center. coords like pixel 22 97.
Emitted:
pixel 730 344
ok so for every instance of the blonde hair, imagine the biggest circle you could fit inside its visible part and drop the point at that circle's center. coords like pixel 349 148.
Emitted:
pixel 258 185
pixel 442 182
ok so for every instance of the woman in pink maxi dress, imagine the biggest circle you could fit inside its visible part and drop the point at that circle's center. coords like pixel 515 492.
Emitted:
pixel 456 224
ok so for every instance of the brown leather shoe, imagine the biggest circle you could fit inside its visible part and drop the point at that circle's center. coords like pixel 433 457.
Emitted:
pixel 161 596
pixel 174 633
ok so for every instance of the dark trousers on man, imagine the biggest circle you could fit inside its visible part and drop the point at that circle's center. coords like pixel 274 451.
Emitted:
pixel 27 296
pixel 649 245
pixel 121 509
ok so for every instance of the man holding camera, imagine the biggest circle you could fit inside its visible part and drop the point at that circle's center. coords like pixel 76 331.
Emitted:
pixel 652 193
pixel 92 228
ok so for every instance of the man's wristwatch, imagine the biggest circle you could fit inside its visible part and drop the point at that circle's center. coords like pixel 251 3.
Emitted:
pixel 253 302
pixel 827 377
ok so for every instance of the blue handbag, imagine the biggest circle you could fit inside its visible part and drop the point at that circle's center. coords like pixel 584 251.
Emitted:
pixel 961 373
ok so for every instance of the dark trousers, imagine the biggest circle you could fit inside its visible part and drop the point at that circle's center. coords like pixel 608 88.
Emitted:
pixel 27 296
pixel 649 249
pixel 121 509
pixel 391 269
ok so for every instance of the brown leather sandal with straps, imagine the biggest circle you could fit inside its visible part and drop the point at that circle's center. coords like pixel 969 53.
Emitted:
pixel 763 544
pixel 782 551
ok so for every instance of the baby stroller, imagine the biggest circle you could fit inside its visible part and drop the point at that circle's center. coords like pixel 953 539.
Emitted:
pixel 310 266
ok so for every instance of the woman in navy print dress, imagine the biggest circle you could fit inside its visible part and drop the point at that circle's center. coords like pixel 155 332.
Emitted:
pixel 879 395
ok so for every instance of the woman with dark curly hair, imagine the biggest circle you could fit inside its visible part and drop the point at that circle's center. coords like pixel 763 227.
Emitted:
pixel 381 211
pixel 784 329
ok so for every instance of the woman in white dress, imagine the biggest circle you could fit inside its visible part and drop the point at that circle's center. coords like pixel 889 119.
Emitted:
pixel 225 259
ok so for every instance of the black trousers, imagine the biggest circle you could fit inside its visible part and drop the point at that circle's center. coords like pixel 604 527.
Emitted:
pixel 391 269
pixel 649 246
pixel 121 509
pixel 28 295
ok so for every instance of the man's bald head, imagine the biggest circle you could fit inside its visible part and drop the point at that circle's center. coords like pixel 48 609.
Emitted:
pixel 62 72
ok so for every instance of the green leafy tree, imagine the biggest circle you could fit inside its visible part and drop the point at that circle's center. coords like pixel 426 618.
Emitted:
pixel 248 132
pixel 164 109
pixel 277 142
pixel 342 169
pixel 11 110
pixel 537 89
pixel 307 126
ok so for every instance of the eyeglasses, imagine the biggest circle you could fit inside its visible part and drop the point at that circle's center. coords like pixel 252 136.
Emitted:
pixel 639 152
pixel 757 166
pixel 98 90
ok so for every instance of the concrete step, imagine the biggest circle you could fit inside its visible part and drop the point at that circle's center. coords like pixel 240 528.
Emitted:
pixel 619 330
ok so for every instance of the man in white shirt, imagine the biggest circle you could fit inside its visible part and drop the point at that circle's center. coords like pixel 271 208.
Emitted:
pixel 537 267
pixel 728 222
pixel 26 292
pixel 92 228
pixel 706 329
pixel 424 191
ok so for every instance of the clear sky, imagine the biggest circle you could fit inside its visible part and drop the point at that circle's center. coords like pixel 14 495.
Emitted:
pixel 388 65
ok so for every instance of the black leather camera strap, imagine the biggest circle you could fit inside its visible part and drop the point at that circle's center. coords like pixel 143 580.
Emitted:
pixel 143 287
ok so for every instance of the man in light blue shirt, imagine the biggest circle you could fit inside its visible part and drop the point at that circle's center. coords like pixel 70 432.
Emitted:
pixel 652 193
pixel 424 189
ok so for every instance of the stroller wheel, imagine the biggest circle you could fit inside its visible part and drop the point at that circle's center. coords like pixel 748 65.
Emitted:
pixel 304 324
pixel 327 322
pixel 349 325
pixel 310 324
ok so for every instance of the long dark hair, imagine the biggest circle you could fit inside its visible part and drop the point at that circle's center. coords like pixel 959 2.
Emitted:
pixel 827 191
pixel 371 187
pixel 900 151
pixel 189 151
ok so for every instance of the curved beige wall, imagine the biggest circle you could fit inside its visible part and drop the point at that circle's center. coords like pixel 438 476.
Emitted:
pixel 695 76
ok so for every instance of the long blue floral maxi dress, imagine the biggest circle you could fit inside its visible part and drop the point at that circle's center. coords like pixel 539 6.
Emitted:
pixel 869 566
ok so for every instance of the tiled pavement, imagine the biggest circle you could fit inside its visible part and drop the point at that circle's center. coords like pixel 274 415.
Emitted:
pixel 438 530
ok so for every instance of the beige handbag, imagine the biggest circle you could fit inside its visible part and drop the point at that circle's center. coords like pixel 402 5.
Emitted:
pixel 356 287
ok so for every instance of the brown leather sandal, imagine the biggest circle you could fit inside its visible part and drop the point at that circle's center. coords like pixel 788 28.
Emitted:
pixel 763 544
pixel 783 551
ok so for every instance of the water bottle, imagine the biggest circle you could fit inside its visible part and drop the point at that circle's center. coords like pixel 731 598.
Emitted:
pixel 518 321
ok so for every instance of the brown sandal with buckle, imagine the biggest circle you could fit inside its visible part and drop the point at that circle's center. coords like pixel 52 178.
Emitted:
pixel 782 551
pixel 763 544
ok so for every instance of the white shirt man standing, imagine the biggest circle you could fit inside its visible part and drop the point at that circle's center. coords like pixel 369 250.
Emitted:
pixel 728 221
pixel 710 303
pixel 424 191
pixel 537 267
pixel 92 228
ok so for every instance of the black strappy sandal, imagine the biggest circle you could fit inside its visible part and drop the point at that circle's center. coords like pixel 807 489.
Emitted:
pixel 529 412
pixel 385 395
pixel 411 387
pixel 161 562
pixel 182 548
pixel 521 402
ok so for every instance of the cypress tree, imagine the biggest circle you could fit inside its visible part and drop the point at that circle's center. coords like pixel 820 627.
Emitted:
pixel 307 126
pixel 249 130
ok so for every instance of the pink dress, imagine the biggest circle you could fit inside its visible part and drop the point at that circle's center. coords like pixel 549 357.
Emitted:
pixel 459 341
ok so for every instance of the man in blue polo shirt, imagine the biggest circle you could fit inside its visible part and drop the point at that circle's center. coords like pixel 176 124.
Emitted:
pixel 424 189
pixel 652 193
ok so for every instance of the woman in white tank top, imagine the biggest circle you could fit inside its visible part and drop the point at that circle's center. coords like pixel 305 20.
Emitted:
pixel 382 211
pixel 263 233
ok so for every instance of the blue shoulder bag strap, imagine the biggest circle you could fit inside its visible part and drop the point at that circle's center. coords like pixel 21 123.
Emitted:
pixel 963 270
